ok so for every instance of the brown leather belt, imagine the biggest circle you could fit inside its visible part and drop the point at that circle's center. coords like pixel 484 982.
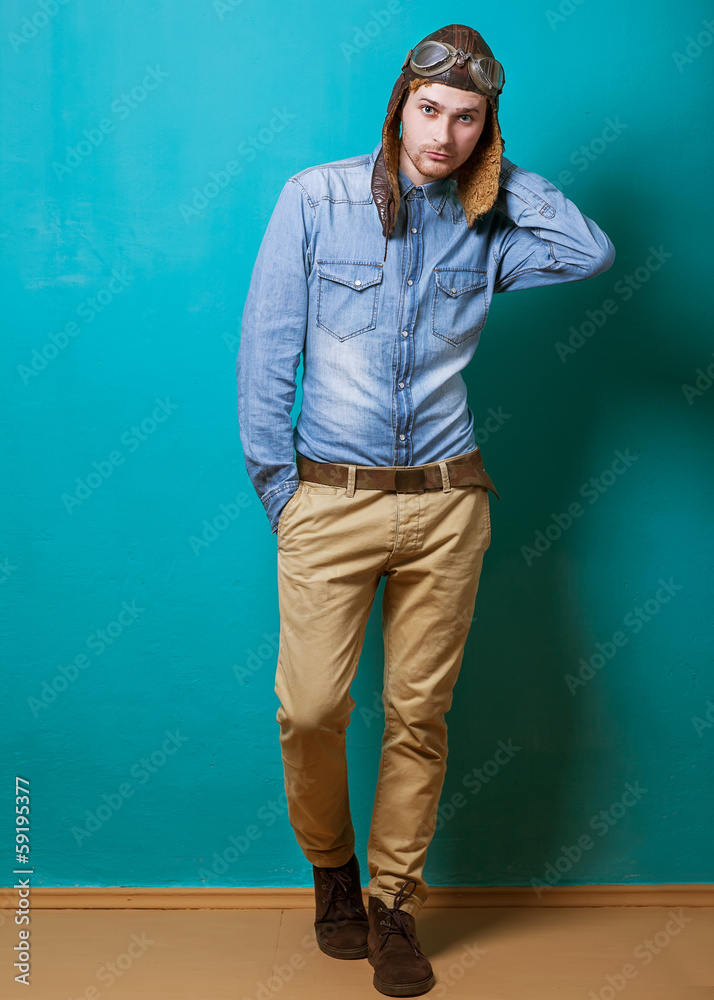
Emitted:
pixel 463 470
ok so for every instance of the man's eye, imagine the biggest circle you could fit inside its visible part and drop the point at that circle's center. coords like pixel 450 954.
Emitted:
pixel 427 107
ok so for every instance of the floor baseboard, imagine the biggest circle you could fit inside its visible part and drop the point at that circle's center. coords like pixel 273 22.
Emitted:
pixel 198 898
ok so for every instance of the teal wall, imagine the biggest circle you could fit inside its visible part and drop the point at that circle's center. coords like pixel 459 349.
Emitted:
pixel 144 145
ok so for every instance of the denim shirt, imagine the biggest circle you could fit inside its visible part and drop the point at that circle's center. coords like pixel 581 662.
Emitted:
pixel 384 341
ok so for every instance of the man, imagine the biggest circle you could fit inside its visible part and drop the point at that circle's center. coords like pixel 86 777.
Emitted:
pixel 386 479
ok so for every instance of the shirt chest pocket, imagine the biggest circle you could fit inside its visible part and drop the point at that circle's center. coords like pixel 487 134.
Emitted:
pixel 347 296
pixel 459 304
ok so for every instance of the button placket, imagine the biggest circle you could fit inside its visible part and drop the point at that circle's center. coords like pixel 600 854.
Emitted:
pixel 414 208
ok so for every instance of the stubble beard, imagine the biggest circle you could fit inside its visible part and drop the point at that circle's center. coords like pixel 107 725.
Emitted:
pixel 426 166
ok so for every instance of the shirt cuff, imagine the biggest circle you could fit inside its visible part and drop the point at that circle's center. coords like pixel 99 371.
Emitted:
pixel 277 499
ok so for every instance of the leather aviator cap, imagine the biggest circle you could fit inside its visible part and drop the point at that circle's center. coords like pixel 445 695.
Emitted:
pixel 478 177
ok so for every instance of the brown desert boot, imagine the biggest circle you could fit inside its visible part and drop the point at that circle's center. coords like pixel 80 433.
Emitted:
pixel 341 922
pixel 401 969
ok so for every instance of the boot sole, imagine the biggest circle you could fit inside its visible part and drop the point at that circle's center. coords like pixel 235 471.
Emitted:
pixel 352 953
pixel 401 990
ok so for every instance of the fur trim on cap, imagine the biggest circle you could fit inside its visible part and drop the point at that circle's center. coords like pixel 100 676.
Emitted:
pixel 479 176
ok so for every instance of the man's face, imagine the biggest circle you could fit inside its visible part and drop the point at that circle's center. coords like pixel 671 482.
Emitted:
pixel 439 119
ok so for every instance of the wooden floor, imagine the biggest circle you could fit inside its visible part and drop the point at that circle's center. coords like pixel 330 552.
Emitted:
pixel 490 953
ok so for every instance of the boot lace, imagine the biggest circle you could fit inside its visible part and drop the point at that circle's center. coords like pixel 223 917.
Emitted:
pixel 394 923
pixel 339 884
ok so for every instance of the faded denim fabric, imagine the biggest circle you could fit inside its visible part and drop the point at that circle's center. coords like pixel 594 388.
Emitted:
pixel 385 341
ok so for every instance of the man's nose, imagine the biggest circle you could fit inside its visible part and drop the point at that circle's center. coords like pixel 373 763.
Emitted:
pixel 442 133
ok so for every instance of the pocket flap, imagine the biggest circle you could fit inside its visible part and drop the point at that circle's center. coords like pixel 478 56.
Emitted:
pixel 357 274
pixel 455 280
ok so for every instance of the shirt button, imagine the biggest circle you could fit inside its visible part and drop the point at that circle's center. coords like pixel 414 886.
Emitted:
pixel 405 333
pixel 358 282
pixel 414 230
pixel 409 281
pixel 453 290
pixel 401 385
pixel 402 437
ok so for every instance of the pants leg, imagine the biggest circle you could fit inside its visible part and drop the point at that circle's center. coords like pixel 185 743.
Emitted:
pixel 428 605
pixel 329 569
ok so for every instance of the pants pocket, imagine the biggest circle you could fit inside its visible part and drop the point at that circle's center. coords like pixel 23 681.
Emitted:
pixel 486 514
pixel 288 509
pixel 321 489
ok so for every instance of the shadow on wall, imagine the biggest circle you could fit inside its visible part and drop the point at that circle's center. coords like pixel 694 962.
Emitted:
pixel 528 758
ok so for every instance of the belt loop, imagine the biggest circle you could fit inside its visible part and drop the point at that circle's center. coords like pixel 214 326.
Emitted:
pixel 351 478
pixel 445 481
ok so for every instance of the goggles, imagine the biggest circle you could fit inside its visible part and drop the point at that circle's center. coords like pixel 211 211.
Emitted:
pixel 431 58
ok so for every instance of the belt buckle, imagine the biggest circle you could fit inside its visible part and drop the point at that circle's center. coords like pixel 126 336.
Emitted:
pixel 410 480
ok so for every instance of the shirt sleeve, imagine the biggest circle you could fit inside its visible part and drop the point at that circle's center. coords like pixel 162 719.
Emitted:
pixel 545 238
pixel 272 337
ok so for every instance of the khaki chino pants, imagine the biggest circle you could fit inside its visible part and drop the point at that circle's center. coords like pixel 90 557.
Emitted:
pixel 333 549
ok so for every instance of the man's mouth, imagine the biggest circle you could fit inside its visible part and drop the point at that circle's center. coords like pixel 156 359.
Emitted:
pixel 437 156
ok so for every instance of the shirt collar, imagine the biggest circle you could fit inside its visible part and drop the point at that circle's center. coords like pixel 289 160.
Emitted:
pixel 436 192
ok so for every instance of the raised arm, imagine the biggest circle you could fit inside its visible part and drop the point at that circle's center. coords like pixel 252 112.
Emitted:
pixel 545 238
pixel 272 337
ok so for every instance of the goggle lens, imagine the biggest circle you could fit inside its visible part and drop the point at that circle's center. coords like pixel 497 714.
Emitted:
pixel 491 71
pixel 429 54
